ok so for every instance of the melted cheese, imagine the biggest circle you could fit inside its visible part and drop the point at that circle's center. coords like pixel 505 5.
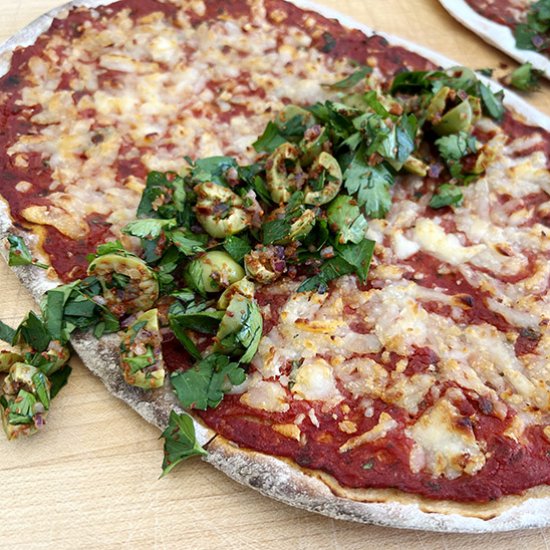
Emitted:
pixel 442 446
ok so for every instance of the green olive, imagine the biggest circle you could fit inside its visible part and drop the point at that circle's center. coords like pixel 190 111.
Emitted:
pixel 282 172
pixel 475 104
pixel 240 329
pixel 141 352
pixel 437 104
pixel 51 359
pixel 324 166
pixel 137 289
pixel 219 210
pixel 261 264
pixel 458 119
pixel 8 359
pixel 25 401
pixel 312 144
pixel 213 271
pixel 244 287
pixel 302 221
pixel 415 166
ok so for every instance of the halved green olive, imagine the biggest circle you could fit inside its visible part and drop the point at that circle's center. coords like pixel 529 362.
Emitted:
pixel 213 271
pixel 141 353
pixel 52 358
pixel 458 119
pixel 219 210
pixel 265 264
pixel 283 172
pixel 25 401
pixel 129 284
pixel 438 103
pixel 327 172
pixel 312 144
pixel 8 359
pixel 415 166
pixel 240 328
pixel 244 287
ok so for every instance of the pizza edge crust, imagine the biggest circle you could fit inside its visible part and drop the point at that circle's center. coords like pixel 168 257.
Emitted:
pixel 495 34
pixel 281 479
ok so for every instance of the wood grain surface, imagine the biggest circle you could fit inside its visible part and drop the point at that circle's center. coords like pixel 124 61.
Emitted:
pixel 90 479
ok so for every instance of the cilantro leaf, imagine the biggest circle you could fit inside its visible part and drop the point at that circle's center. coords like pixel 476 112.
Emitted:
pixel 186 242
pixel 351 80
pixel 59 379
pixel 180 441
pixel 204 385
pixel 456 146
pixel 212 169
pixel 492 102
pixel 33 332
pixel 19 253
pixel 526 78
pixel 358 255
pixel 331 269
pixel 164 196
pixel 236 247
pixel 7 334
pixel 276 134
pixel 150 228
pixel 446 195
pixel 370 184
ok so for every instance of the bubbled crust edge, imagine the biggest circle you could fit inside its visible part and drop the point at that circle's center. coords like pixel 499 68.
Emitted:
pixel 281 479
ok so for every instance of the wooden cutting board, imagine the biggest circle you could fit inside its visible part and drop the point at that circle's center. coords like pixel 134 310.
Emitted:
pixel 90 479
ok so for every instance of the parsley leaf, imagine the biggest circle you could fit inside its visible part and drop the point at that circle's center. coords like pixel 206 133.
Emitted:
pixel 59 379
pixel 446 195
pixel 370 184
pixel 163 196
pixel 150 228
pixel 492 102
pixel 212 169
pixel 186 242
pixel 7 334
pixel 236 247
pixel 525 78
pixel 33 331
pixel 357 255
pixel 204 385
pixel 350 81
pixel 456 146
pixel 19 253
pixel 331 269
pixel 180 441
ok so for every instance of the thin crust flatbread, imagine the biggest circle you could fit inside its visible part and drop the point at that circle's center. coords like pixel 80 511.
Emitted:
pixel 274 477
pixel 498 35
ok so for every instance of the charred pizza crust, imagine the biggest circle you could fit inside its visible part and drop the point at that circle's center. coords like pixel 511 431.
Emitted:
pixel 494 33
pixel 281 479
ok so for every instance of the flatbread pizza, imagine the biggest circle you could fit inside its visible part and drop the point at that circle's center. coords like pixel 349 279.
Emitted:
pixel 512 26
pixel 328 246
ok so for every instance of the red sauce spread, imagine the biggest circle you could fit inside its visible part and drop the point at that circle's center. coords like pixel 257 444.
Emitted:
pixel 499 11
pixel 383 463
